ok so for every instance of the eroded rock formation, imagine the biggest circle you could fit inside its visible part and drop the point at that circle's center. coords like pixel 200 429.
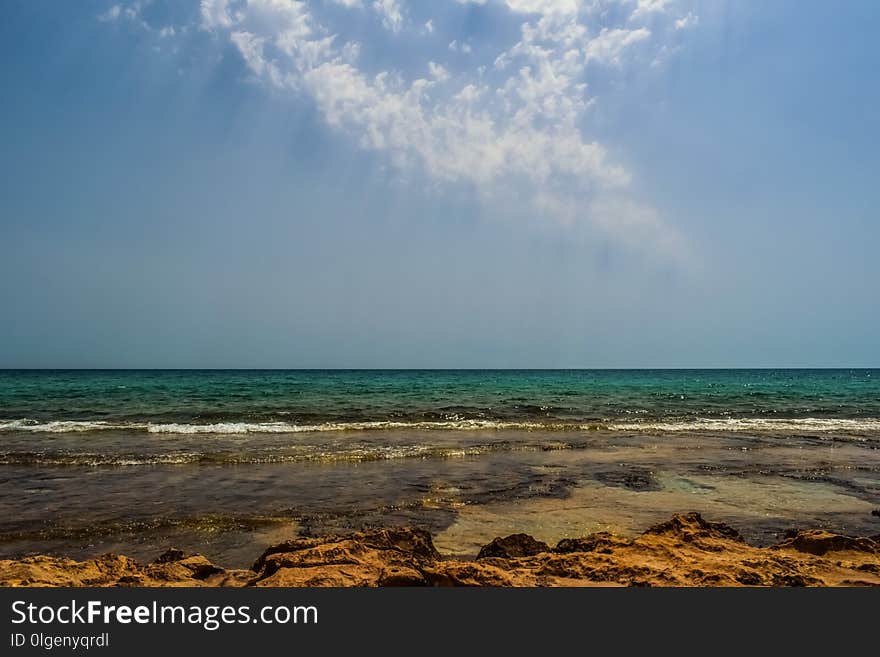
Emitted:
pixel 683 551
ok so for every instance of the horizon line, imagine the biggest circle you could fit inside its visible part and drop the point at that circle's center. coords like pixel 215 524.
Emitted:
pixel 426 369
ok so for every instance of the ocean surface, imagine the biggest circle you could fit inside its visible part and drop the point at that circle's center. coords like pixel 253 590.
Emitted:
pixel 226 462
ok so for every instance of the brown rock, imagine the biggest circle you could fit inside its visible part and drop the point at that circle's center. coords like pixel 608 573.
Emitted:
pixel 477 573
pixel 293 545
pixel 819 542
pixel 689 526
pixel 200 567
pixel 684 551
pixel 593 542
pixel 170 555
pixel 108 570
pixel 414 542
pixel 383 557
pixel 401 576
pixel 515 545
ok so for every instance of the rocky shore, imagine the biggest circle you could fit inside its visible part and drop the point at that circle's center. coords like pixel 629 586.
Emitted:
pixel 686 550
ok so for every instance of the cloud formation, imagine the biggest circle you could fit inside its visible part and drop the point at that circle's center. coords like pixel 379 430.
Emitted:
pixel 507 122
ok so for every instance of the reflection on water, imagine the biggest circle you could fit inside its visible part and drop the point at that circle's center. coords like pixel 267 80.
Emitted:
pixel 228 496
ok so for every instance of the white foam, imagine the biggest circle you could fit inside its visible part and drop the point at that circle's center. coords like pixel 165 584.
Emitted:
pixel 378 425
pixel 754 424
pixel 222 427
pixel 227 428
pixel 64 426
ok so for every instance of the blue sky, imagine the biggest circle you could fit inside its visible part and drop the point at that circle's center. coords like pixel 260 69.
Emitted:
pixel 506 183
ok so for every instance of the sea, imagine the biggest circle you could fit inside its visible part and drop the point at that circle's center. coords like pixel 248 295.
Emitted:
pixel 227 462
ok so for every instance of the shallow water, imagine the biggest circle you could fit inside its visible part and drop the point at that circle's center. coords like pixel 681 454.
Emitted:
pixel 207 462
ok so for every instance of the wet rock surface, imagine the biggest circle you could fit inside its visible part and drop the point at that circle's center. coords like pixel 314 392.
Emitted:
pixel 515 545
pixel 634 479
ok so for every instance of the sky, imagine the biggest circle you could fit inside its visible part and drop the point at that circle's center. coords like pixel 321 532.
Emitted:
pixel 448 184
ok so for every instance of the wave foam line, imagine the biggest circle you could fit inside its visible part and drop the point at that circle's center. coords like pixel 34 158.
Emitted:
pixel 675 426
pixel 754 424
pixel 79 426
pixel 353 455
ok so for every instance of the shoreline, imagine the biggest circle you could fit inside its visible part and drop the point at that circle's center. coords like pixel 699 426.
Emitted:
pixel 686 550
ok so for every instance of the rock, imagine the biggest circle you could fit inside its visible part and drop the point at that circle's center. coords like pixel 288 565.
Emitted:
pixel 287 546
pixel 170 555
pixel 53 571
pixel 401 576
pixel 515 545
pixel 106 570
pixel 684 551
pixel 876 513
pixel 748 578
pixel 691 526
pixel 597 541
pixel 796 580
pixel 415 542
pixel 476 573
pixel 820 542
pixel 200 567
pixel 633 479
pixel 382 557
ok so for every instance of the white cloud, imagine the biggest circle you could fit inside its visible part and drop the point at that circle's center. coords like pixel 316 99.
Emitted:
pixel 127 12
pixel 691 20
pixel 512 130
pixel 646 7
pixel 609 45
pixel 130 12
pixel 391 13
pixel 111 14
pixel 218 14
pixel 438 72
pixel 546 7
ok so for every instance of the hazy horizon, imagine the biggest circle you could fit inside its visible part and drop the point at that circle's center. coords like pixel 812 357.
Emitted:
pixel 466 184
pixel 435 369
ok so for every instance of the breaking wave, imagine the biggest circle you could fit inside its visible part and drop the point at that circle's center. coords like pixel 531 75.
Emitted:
pixel 673 426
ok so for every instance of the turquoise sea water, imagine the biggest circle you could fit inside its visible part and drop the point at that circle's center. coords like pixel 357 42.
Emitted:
pixel 218 461
pixel 244 400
